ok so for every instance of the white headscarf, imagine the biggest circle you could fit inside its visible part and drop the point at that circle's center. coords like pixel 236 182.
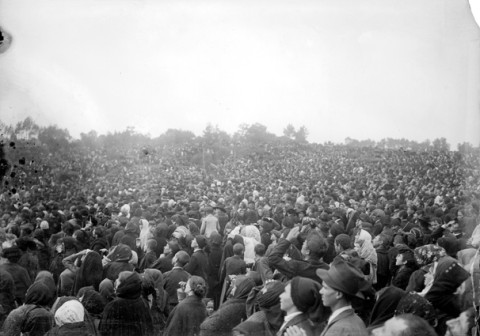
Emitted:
pixel 70 312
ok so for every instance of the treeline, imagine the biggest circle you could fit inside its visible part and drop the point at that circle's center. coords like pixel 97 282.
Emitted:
pixel 214 144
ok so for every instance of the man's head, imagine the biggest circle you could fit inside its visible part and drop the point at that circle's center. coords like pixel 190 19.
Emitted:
pixel 180 259
pixel 314 247
pixel 259 250
pixel 342 242
pixel 341 283
pixel 405 325
pixel 238 249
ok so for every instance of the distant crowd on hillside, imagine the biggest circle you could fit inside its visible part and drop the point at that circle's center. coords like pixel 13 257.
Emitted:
pixel 293 239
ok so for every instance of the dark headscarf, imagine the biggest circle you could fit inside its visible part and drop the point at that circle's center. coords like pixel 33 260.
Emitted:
pixel 107 290
pixel 243 286
pixel 385 306
pixel 90 273
pixel 152 283
pixel 413 303
pixel 38 294
pixel 130 287
pixel 427 254
pixel 449 275
pixel 121 253
pixel 46 278
pixel 93 302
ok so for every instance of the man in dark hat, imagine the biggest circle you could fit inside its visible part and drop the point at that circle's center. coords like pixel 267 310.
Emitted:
pixel 341 283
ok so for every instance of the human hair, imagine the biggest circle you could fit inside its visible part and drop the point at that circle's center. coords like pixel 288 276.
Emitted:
pixel 238 249
pixel 416 326
pixel 182 258
pixel 260 250
pixel 151 244
pixel 198 286
pixel 317 245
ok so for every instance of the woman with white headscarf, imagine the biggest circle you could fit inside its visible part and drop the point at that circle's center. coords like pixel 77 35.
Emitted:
pixel 70 320
pixel 366 251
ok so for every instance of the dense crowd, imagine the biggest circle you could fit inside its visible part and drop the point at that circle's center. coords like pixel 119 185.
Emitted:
pixel 299 240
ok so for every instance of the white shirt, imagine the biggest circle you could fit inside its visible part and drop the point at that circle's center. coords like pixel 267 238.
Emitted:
pixel 338 312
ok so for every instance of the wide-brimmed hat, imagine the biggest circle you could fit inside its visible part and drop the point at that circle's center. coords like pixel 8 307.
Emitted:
pixel 343 277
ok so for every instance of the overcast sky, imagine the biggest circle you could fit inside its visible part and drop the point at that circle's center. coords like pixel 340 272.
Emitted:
pixel 343 68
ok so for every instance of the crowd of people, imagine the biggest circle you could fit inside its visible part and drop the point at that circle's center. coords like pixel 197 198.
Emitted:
pixel 302 241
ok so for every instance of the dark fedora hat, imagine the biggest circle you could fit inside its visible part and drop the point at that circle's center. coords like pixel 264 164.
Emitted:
pixel 343 277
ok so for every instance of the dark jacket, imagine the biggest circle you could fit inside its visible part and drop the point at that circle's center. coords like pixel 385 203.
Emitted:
pixel 70 329
pixel 198 264
pixel 292 268
pixel 171 280
pixel 186 317
pixel 128 314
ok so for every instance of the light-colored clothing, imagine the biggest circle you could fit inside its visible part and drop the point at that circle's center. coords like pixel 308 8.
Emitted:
pixel 209 224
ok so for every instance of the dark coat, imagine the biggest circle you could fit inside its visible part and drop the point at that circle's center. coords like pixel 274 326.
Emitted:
pixel 128 314
pixel 293 267
pixel 198 264
pixel 186 317
pixel 221 322
pixel 171 280
pixel 112 270
pixel 402 277
pixel 20 277
pixel 70 329
pixel 164 264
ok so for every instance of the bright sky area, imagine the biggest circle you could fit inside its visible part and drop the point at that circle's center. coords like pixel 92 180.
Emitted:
pixel 343 68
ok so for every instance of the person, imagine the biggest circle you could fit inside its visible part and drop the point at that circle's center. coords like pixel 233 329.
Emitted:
pixel 341 283
pixel 313 249
pixel 150 256
pixel 366 251
pixel 414 303
pixel 231 312
pixel 210 223
pixel 173 278
pixel 120 257
pixel 164 261
pixel 463 324
pixel 269 317
pixel 261 264
pixel 300 297
pixel 405 261
pixel 385 306
pixel 128 314
pixel 405 325
pixel 70 320
pixel 7 295
pixel 34 317
pixel 156 296
pixel 448 276
pixel 19 274
pixel 198 264
pixel 186 317
pixel 89 273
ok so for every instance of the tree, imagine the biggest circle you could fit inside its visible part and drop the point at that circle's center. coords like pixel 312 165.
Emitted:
pixel 301 135
pixel 289 131
pixel 54 138
pixel 27 129
pixel 441 144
